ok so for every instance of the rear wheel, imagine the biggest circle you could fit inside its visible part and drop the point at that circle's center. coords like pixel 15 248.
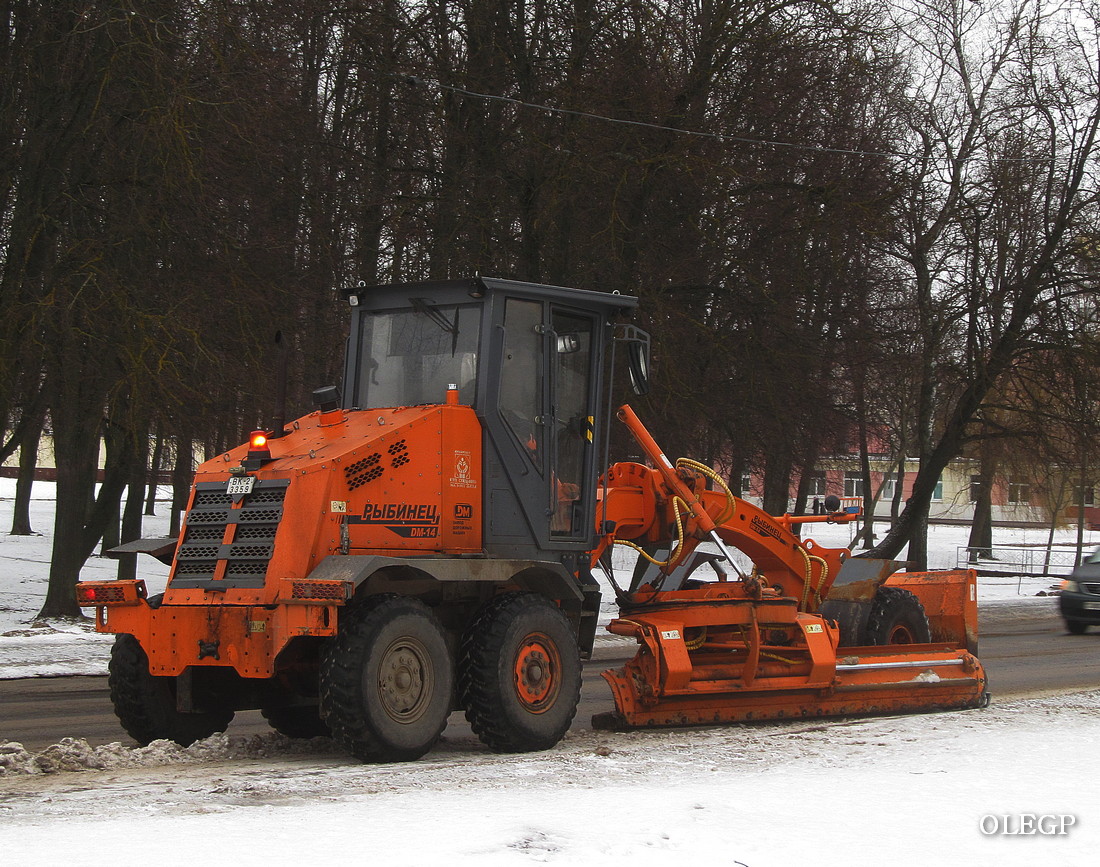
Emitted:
pixel 386 680
pixel 897 617
pixel 520 674
pixel 146 704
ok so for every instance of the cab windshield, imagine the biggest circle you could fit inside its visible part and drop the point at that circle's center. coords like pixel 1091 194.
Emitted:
pixel 409 357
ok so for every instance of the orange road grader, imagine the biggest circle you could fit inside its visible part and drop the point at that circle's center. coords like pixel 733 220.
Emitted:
pixel 426 540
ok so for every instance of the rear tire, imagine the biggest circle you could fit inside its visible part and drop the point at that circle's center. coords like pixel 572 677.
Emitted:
pixel 520 675
pixel 146 704
pixel 387 680
pixel 897 617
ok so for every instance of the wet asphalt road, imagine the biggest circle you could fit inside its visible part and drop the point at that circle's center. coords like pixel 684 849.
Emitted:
pixel 1025 649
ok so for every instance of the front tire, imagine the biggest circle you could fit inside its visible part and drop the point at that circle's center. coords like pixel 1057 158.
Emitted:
pixel 897 617
pixel 146 704
pixel 387 680
pixel 1076 627
pixel 520 675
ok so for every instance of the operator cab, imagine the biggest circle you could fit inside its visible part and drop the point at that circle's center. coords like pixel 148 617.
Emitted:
pixel 529 359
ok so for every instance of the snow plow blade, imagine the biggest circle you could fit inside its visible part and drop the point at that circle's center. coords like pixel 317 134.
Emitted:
pixel 707 657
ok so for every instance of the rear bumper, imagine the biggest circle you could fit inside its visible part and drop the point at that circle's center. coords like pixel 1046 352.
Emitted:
pixel 175 637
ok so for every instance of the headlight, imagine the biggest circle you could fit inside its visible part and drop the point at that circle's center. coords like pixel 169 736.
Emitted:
pixel 1071 586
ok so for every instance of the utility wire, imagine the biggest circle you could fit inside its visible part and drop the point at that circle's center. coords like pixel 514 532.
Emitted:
pixel 719 137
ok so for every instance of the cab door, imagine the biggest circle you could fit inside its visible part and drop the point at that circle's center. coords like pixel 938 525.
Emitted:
pixel 541 426
pixel 572 422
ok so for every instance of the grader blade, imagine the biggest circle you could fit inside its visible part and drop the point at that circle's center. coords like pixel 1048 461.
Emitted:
pixel 707 656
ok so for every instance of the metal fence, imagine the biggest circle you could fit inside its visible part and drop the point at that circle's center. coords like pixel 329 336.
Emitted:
pixel 1014 560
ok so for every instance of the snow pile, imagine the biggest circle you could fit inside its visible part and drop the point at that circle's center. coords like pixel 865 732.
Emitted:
pixel 76 754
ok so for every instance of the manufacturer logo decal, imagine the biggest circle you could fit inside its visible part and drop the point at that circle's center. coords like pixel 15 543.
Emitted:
pixel 407 520
pixel 765 528
pixel 463 519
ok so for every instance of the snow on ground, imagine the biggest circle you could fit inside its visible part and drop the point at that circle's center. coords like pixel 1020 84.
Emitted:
pixel 919 790
pixel 904 791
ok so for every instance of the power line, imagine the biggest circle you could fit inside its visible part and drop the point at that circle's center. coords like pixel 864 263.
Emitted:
pixel 719 137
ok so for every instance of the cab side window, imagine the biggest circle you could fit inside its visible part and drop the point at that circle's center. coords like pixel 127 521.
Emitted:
pixel 521 378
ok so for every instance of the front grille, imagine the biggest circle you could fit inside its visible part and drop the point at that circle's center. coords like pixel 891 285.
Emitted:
pixel 193 569
pixel 247 569
pixel 198 533
pixel 1091 588
pixel 212 498
pixel 240 535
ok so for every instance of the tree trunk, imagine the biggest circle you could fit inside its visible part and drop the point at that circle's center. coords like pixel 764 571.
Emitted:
pixel 131 515
pixel 182 475
pixel 28 466
pixel 899 486
pixel 75 457
pixel 981 530
pixel 777 481
pixel 154 474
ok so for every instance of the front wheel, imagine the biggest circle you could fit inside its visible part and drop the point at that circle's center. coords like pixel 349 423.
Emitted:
pixel 1076 627
pixel 897 617
pixel 386 680
pixel 146 704
pixel 520 673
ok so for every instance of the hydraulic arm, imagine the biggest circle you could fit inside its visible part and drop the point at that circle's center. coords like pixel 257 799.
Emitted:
pixel 753 644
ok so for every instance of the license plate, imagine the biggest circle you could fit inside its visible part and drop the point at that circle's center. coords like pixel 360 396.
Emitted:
pixel 239 485
pixel 1092 606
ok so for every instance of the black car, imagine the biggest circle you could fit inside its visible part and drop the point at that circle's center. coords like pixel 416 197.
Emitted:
pixel 1079 600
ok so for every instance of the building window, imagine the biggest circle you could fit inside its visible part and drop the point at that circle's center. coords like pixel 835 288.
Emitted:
pixel 937 492
pixel 975 488
pixel 746 484
pixel 889 486
pixel 1077 495
pixel 816 485
pixel 1019 493
pixel 853 485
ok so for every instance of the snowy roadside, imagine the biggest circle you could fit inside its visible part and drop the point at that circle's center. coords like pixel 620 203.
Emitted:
pixel 913 790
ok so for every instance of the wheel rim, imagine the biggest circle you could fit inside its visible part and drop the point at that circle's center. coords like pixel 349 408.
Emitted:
pixel 901 634
pixel 406 680
pixel 537 673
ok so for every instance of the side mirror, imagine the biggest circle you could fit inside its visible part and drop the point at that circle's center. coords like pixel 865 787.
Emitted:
pixel 638 359
pixel 637 354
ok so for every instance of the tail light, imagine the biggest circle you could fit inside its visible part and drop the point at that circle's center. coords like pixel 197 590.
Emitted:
pixel 95 593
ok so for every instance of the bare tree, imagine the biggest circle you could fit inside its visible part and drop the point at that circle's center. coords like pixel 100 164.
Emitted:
pixel 1003 118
